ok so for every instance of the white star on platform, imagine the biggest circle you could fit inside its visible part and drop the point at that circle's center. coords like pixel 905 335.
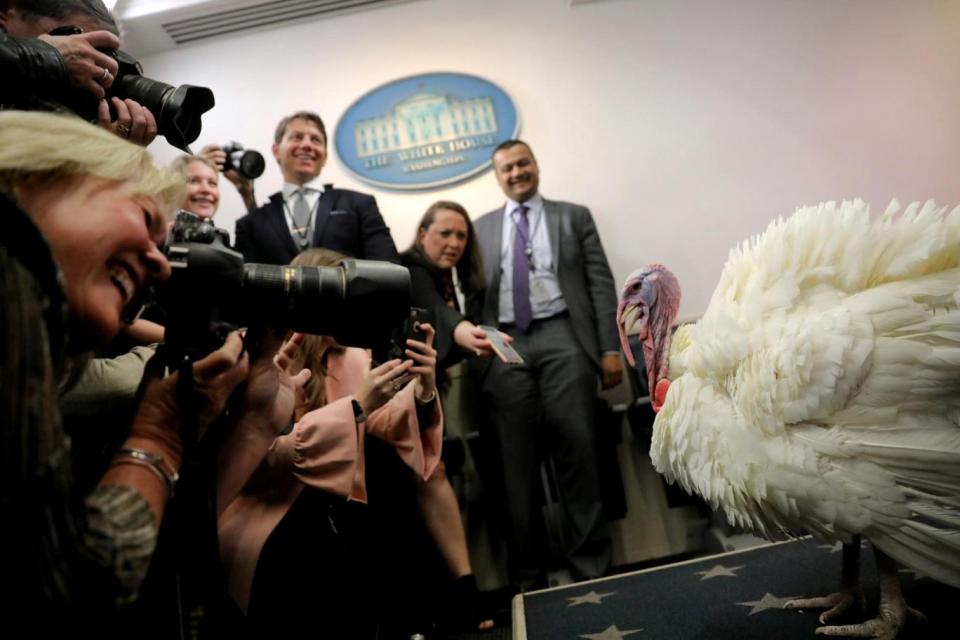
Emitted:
pixel 588 598
pixel 611 633
pixel 719 570
pixel 768 601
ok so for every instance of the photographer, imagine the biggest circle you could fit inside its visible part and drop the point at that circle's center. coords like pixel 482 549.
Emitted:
pixel 40 70
pixel 308 473
pixel 85 215
pixel 215 154
pixel 203 185
pixel 202 197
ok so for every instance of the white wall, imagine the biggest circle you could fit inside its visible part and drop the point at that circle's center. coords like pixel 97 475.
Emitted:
pixel 685 125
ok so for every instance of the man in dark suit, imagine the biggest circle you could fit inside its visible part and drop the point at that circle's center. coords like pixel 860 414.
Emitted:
pixel 549 286
pixel 307 213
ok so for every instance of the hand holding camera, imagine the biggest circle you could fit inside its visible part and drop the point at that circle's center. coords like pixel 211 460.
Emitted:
pixel 89 69
pixel 134 122
pixel 156 424
pixel 175 111
pixel 240 166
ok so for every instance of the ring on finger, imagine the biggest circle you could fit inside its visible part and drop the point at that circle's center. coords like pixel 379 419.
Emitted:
pixel 105 75
pixel 123 130
pixel 397 386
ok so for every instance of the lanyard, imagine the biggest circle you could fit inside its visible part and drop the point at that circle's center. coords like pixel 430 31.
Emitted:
pixel 304 232
pixel 527 239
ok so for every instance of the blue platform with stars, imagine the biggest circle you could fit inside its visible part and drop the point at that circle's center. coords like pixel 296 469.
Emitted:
pixel 737 595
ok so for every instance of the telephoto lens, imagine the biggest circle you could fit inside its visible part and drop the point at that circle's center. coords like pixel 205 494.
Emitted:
pixel 176 109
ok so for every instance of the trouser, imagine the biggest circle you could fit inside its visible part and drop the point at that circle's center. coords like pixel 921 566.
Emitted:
pixel 546 407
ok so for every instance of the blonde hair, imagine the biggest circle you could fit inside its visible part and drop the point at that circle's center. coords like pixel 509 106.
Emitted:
pixel 181 163
pixel 315 349
pixel 53 146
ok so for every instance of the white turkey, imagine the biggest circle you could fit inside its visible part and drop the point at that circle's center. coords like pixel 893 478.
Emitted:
pixel 820 391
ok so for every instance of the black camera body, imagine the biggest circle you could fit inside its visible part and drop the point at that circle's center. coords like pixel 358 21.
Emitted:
pixel 246 162
pixel 212 292
pixel 177 110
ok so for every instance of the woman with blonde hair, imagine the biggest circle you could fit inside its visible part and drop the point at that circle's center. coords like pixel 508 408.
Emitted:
pixel 202 195
pixel 84 217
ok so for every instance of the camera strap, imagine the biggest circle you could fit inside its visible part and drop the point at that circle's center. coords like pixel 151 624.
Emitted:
pixel 199 579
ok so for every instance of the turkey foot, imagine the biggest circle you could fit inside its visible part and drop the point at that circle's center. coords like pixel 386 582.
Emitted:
pixel 850 590
pixel 835 603
pixel 893 613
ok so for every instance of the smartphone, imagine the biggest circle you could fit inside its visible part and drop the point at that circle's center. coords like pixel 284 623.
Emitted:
pixel 504 351
pixel 409 329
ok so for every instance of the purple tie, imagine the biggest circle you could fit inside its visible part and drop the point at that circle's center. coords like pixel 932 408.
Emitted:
pixel 522 243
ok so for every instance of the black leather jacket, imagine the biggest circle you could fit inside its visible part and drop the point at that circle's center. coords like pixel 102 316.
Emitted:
pixel 34 73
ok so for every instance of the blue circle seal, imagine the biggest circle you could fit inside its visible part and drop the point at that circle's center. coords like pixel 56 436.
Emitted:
pixel 425 131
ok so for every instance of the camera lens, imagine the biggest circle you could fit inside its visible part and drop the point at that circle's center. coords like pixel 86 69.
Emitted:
pixel 353 302
pixel 248 163
pixel 177 109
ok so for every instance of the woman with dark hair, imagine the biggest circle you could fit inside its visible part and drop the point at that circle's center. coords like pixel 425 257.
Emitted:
pixel 443 258
pixel 445 265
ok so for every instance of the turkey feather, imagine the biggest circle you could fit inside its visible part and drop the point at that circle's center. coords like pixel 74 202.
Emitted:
pixel 820 391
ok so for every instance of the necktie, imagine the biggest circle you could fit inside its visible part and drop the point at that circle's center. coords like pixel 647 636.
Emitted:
pixel 522 310
pixel 301 215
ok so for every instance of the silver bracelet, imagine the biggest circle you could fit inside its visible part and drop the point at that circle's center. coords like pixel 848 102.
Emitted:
pixel 433 396
pixel 147 459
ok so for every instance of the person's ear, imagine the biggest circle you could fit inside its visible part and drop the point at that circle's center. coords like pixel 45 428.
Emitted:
pixel 276 152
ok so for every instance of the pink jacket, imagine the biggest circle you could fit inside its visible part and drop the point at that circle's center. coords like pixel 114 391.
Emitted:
pixel 324 450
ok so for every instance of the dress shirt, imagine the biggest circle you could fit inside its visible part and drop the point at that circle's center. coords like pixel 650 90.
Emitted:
pixel 545 297
pixel 461 300
pixel 314 190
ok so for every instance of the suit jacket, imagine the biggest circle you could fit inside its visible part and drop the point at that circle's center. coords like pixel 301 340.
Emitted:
pixel 582 271
pixel 346 221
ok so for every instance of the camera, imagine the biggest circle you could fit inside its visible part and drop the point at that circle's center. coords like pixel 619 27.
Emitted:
pixel 246 162
pixel 212 292
pixel 176 109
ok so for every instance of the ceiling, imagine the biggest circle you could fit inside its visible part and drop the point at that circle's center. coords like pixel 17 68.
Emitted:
pixel 153 26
